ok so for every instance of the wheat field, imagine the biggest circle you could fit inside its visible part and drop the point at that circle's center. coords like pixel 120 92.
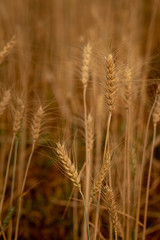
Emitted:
pixel 79 120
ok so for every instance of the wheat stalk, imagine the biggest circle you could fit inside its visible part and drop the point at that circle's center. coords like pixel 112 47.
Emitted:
pixel 127 94
pixel 73 175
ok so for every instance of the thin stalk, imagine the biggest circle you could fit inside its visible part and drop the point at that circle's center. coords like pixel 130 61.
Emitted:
pixel 148 182
pixel 12 187
pixel 128 172
pixel 85 211
pixel 22 190
pixel 86 140
pixel 104 155
pixel 97 216
pixel 116 236
pixel 110 222
pixel 107 135
pixel 6 176
pixel 87 154
pixel 142 169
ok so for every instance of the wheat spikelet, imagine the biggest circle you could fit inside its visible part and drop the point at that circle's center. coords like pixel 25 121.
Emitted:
pixel 97 185
pixel 156 112
pixel 90 132
pixel 86 62
pixel 5 101
pixel 8 48
pixel 112 210
pixel 18 116
pixel 68 166
pixel 36 126
pixel 111 82
pixel 127 94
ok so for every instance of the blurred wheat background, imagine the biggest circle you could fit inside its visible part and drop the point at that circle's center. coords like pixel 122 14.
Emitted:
pixel 79 127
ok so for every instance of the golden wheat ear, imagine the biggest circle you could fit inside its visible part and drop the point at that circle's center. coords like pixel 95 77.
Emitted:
pixel 86 61
pixel 5 100
pixel 18 116
pixel 69 167
pixel 112 210
pixel 98 183
pixel 156 112
pixel 7 48
pixel 111 83
pixel 36 125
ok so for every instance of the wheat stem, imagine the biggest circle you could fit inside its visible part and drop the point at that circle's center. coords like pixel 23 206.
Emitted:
pixel 148 183
pixel 22 190
pixel 6 176
pixel 12 187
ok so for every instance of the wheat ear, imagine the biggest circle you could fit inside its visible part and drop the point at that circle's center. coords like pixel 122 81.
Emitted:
pixel 86 61
pixel 18 116
pixel 68 166
pixel 36 125
pixel 98 184
pixel 7 48
pixel 4 102
pixel 156 112
pixel 111 83
pixel 112 210
pixel 90 137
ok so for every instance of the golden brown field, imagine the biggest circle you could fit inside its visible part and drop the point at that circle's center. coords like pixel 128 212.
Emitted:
pixel 80 120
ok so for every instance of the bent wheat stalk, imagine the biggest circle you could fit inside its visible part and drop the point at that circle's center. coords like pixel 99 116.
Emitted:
pixel 73 175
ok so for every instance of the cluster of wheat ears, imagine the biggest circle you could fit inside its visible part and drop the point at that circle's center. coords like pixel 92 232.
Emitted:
pixel 96 181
